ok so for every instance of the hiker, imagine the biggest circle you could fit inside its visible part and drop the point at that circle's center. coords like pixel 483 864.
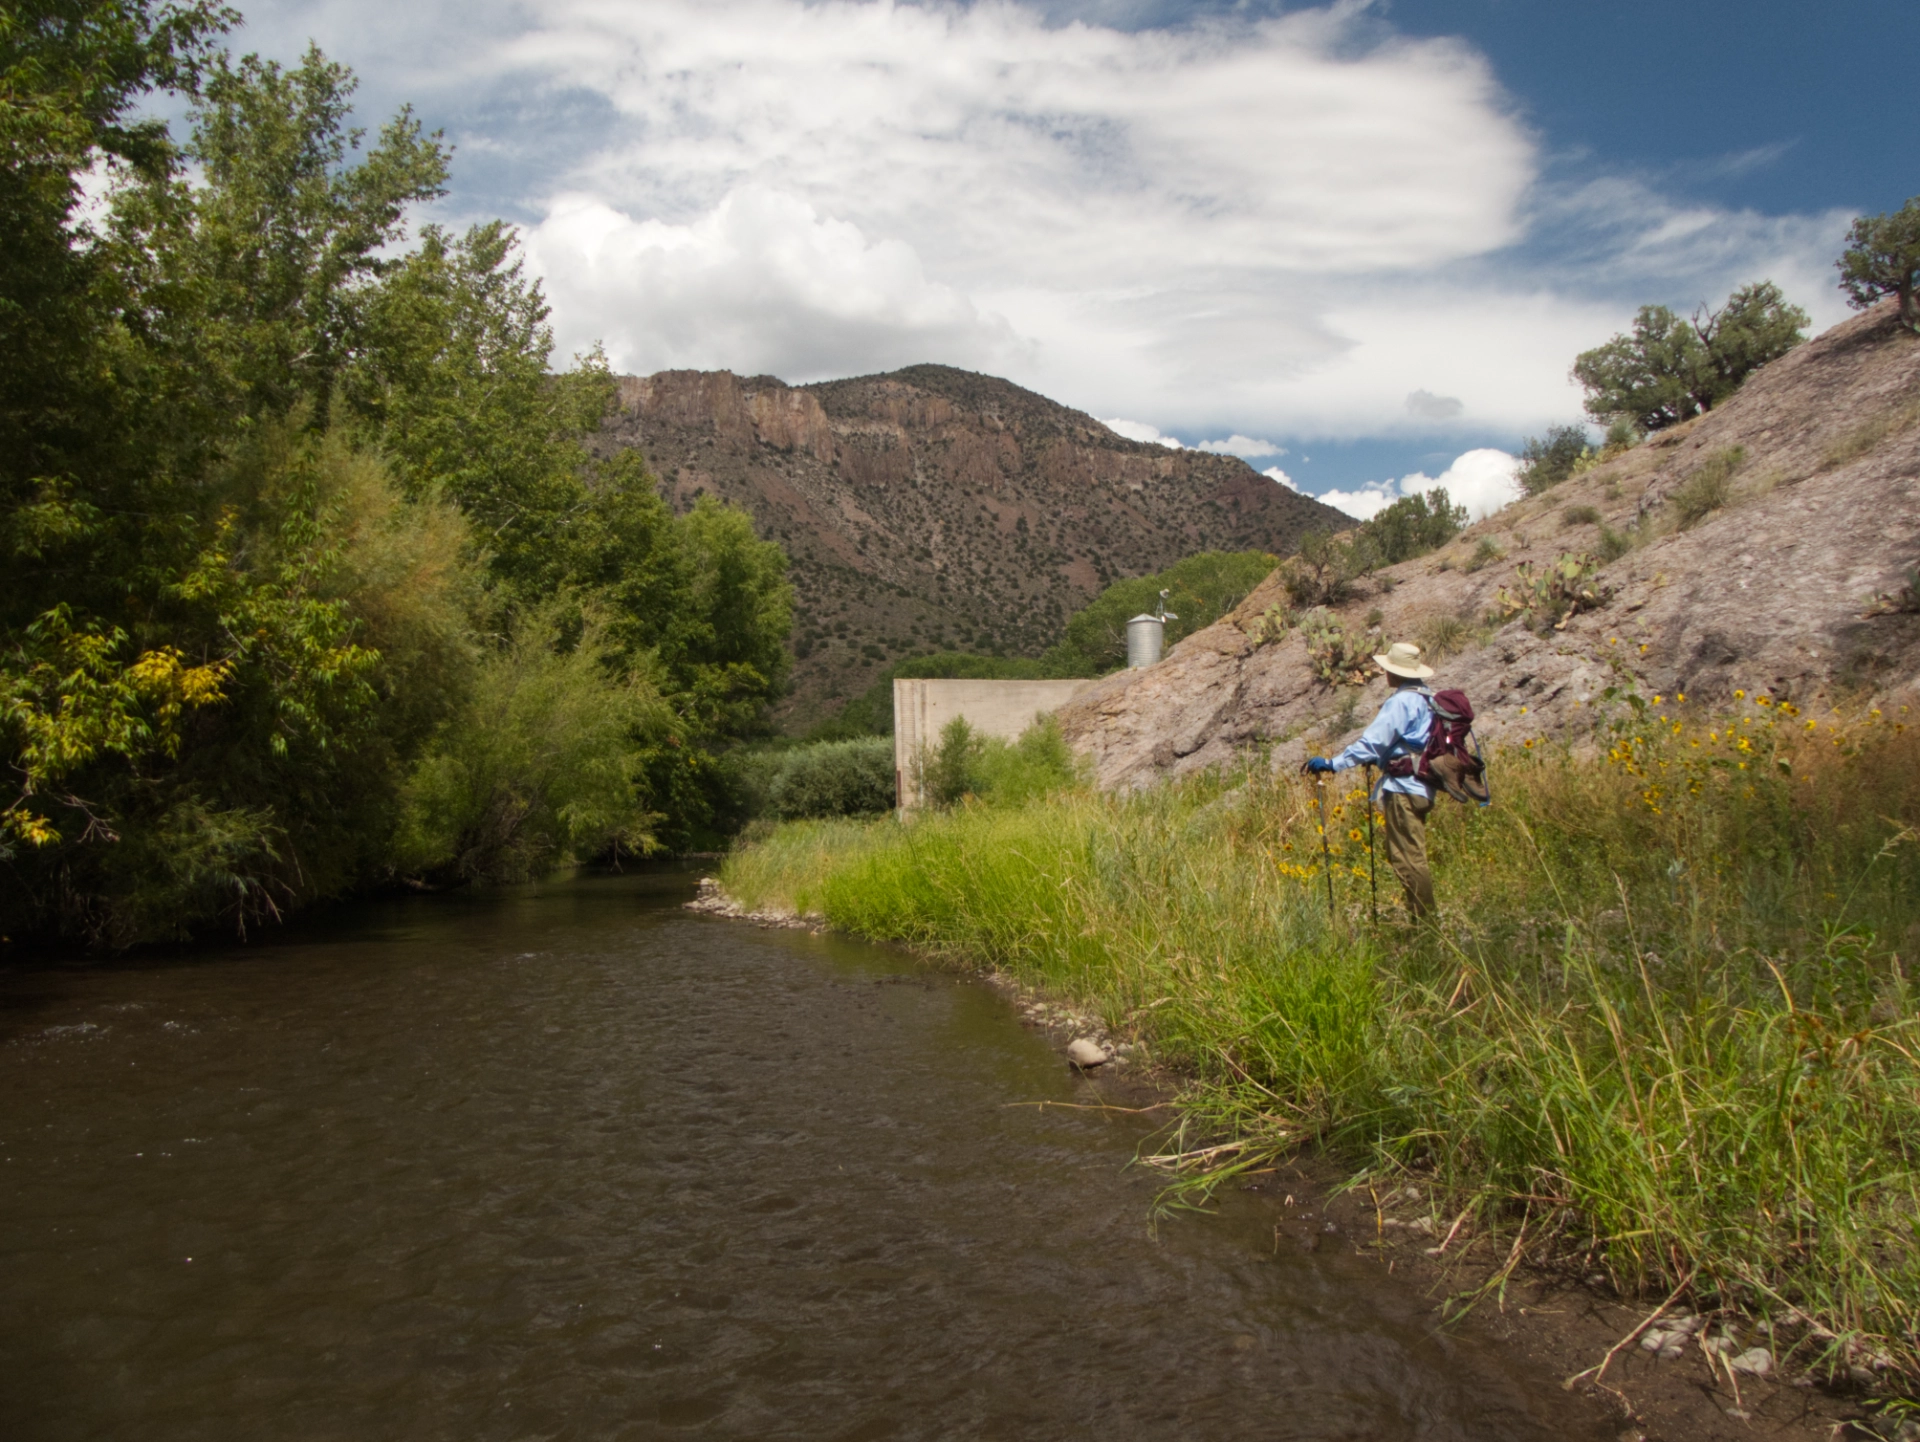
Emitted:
pixel 1399 730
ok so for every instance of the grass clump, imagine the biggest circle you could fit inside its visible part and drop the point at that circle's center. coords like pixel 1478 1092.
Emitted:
pixel 1613 544
pixel 1865 436
pixel 1663 1030
pixel 1483 555
pixel 1708 488
pixel 1443 636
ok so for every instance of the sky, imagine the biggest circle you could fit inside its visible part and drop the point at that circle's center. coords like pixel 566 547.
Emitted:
pixel 1357 243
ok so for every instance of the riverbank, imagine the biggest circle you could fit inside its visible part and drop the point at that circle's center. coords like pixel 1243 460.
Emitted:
pixel 1662 1041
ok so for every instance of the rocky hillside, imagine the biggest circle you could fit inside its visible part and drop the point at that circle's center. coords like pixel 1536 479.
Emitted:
pixel 934 508
pixel 1772 546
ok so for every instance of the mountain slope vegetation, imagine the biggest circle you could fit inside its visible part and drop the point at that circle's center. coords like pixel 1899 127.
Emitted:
pixel 933 508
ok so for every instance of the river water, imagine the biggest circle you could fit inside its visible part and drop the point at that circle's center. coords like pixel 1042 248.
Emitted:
pixel 569 1162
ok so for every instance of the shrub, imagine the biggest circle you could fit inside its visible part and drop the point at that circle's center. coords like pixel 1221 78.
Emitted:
pixel 1579 516
pixel 541 766
pixel 1545 463
pixel 1323 572
pixel 969 766
pixel 1613 544
pixel 1883 258
pixel 952 771
pixel 833 778
pixel 1039 763
pixel 1706 490
pixel 1412 526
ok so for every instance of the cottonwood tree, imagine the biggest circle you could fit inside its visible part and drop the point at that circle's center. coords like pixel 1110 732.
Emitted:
pixel 1671 369
pixel 1883 258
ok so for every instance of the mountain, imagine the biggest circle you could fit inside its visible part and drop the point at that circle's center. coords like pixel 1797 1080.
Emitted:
pixel 934 508
pixel 1768 547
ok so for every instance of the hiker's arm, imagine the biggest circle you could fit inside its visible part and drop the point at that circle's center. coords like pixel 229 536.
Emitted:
pixel 1376 742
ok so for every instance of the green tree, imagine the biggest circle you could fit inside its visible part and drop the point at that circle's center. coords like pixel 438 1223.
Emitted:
pixel 1671 369
pixel 951 771
pixel 1414 525
pixel 1883 258
pixel 1323 570
pixel 72 76
pixel 1201 589
pixel 1546 462
pixel 452 381
pixel 260 270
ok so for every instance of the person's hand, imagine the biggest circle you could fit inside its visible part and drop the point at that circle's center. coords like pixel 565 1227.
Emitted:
pixel 1319 765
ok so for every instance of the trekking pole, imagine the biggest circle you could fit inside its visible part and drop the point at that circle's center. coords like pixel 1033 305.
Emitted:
pixel 1373 880
pixel 1326 855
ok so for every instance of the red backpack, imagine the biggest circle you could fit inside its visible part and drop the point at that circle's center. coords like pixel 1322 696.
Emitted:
pixel 1447 762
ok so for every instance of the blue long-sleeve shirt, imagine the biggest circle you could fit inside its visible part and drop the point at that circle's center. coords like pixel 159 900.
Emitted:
pixel 1399 730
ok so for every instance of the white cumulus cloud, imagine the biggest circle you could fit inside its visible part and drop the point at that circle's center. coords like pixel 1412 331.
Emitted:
pixel 1302 225
pixel 1246 447
pixel 1142 432
pixel 761 283
pixel 1481 480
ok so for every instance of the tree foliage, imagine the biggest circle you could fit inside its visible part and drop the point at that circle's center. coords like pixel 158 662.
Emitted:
pixel 1671 369
pixel 1547 461
pixel 1201 588
pixel 1882 258
pixel 1414 525
pixel 313 579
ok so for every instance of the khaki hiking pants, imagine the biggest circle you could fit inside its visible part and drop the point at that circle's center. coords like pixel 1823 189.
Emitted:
pixel 1407 848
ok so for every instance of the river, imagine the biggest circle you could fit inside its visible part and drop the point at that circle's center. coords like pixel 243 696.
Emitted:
pixel 566 1161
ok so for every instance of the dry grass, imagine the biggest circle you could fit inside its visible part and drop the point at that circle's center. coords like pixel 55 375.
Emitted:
pixel 1869 435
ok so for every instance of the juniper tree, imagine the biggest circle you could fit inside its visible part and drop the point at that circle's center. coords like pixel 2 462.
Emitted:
pixel 1883 258
pixel 1671 369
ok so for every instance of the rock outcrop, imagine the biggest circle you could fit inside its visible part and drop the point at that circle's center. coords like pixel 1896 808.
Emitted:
pixel 1798 584
pixel 935 508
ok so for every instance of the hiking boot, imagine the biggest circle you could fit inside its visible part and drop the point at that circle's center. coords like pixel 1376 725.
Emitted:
pixel 1461 777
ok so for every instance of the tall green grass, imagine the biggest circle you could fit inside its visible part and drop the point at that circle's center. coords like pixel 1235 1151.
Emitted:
pixel 1663 1030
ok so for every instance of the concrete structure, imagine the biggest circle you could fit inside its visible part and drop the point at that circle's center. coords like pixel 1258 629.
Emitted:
pixel 993 708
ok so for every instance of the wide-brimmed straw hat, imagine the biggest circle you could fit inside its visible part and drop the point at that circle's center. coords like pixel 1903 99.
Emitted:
pixel 1403 659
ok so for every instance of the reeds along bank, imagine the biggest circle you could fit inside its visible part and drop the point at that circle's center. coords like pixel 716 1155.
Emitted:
pixel 1664 1030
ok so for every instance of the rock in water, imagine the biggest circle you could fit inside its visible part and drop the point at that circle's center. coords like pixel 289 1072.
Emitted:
pixel 1084 1053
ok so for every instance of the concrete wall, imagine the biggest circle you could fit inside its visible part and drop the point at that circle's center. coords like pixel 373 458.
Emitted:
pixel 994 708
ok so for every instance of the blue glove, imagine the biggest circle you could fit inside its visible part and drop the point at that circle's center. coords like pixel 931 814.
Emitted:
pixel 1319 764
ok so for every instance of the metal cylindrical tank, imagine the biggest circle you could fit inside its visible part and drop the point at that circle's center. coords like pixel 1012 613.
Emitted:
pixel 1145 637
